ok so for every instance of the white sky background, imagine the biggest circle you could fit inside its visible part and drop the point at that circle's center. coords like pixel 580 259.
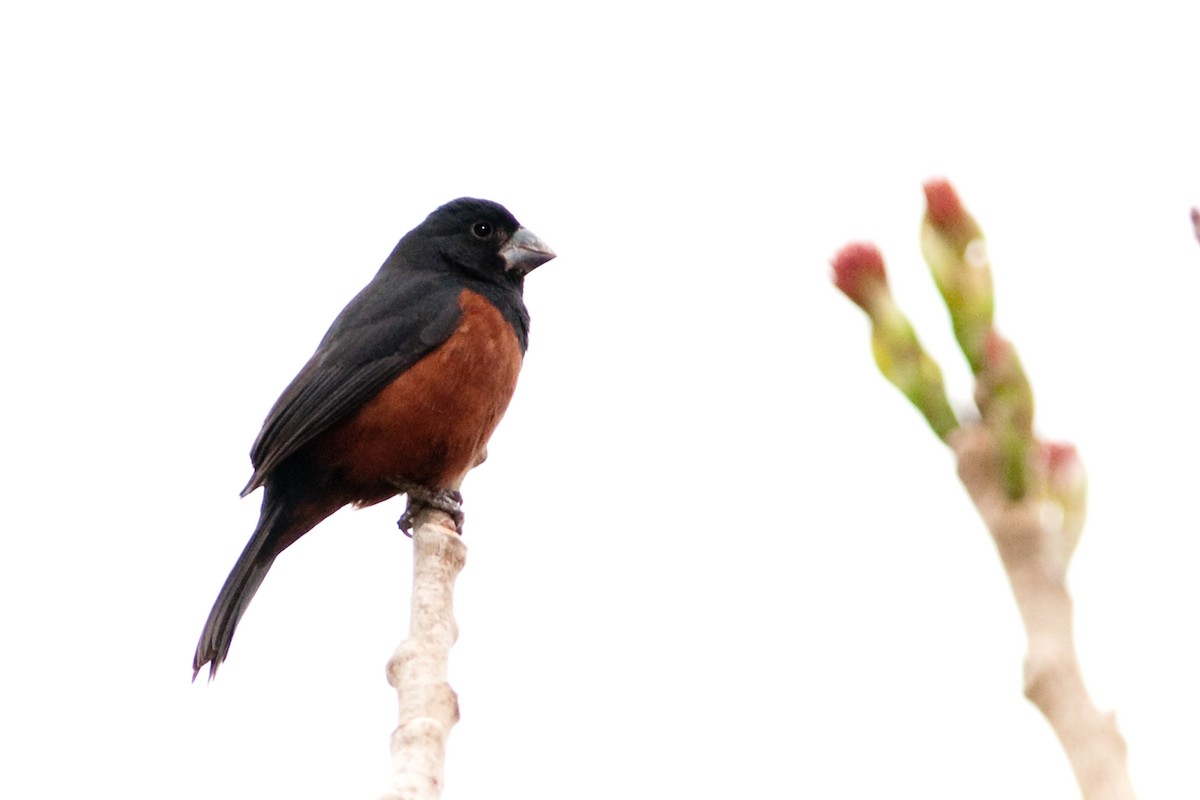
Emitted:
pixel 713 553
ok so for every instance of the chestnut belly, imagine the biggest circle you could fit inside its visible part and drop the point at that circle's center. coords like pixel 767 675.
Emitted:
pixel 431 424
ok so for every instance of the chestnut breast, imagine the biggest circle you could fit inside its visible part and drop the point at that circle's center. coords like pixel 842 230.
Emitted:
pixel 431 424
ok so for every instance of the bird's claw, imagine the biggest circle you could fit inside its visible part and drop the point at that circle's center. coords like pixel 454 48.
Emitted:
pixel 421 498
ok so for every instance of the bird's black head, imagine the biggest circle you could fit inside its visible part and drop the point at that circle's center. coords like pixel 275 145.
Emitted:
pixel 484 239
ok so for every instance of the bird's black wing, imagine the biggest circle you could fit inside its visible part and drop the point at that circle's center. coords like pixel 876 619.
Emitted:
pixel 390 325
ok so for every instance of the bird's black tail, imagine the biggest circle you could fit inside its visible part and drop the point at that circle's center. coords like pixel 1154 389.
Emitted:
pixel 278 526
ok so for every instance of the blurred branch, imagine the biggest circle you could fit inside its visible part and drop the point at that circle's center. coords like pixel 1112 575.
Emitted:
pixel 1035 542
pixel 953 245
pixel 1030 494
pixel 417 670
pixel 859 272
pixel 1196 222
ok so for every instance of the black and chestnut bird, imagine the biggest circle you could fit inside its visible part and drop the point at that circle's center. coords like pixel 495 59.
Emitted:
pixel 401 395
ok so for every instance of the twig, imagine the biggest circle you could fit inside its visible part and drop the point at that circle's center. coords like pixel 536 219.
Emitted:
pixel 417 670
pixel 1031 494
pixel 1035 541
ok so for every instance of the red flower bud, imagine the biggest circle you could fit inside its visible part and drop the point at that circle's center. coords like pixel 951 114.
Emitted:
pixel 945 209
pixel 996 350
pixel 858 272
pixel 1059 457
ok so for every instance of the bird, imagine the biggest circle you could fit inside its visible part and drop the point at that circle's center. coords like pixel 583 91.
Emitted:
pixel 400 396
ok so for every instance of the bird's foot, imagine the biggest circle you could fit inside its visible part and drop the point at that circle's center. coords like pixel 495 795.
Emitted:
pixel 422 497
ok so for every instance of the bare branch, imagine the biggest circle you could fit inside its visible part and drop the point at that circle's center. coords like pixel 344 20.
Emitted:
pixel 1035 541
pixel 417 670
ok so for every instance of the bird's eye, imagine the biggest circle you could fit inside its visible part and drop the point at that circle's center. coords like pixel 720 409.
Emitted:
pixel 481 230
